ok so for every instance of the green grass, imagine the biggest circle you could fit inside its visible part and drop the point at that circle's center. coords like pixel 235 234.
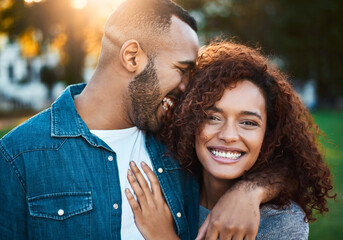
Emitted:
pixel 4 131
pixel 331 225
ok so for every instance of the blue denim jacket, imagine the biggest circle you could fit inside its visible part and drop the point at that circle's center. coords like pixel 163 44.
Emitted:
pixel 57 180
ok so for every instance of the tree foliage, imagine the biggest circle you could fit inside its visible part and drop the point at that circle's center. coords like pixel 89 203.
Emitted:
pixel 305 34
pixel 47 22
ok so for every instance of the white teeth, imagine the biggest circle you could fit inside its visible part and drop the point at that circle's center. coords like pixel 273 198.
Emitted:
pixel 170 103
pixel 167 103
pixel 230 155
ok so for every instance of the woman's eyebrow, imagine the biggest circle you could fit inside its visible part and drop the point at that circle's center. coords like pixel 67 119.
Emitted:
pixel 215 109
pixel 251 113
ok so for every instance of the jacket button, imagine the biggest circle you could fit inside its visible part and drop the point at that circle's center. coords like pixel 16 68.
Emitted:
pixel 60 212
pixel 115 206
pixel 178 214
pixel 110 158
pixel 160 170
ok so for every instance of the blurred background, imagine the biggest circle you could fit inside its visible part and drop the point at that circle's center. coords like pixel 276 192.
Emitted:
pixel 46 45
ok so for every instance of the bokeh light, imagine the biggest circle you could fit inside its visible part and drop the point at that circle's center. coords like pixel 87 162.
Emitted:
pixel 4 4
pixel 104 7
pixel 79 4
pixel 33 1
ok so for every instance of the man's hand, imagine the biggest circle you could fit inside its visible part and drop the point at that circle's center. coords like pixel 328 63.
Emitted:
pixel 236 215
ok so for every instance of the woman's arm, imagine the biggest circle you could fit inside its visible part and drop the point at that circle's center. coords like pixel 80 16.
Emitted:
pixel 152 215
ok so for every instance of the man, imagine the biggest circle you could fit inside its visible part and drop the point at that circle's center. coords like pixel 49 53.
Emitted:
pixel 63 172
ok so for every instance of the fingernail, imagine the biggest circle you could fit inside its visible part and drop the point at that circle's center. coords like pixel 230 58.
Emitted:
pixel 129 172
pixel 132 163
pixel 143 164
pixel 127 190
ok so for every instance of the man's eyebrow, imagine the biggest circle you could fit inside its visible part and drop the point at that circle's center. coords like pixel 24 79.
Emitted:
pixel 251 113
pixel 187 62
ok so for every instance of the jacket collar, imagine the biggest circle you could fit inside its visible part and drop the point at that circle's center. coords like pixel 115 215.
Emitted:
pixel 65 120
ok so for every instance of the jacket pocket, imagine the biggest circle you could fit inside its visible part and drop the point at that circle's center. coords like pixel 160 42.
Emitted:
pixel 61 215
pixel 60 206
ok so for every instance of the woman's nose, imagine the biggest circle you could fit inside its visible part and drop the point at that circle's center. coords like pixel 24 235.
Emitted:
pixel 229 133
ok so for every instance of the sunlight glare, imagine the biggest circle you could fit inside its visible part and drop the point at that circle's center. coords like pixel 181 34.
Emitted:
pixel 29 2
pixel 102 9
pixel 109 5
pixel 79 4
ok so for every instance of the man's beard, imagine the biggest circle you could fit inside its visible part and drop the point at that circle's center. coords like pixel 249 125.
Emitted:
pixel 145 98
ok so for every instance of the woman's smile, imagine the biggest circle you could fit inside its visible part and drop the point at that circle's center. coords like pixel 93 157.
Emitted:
pixel 231 138
pixel 224 155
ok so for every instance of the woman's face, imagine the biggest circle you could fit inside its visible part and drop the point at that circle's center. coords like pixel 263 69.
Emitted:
pixel 233 133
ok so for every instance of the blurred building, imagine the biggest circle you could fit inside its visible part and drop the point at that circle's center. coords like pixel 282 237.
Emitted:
pixel 20 84
pixel 308 94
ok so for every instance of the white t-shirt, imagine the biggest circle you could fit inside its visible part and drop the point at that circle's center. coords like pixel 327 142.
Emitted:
pixel 129 145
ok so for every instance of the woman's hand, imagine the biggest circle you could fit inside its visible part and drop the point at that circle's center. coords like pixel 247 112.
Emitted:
pixel 152 215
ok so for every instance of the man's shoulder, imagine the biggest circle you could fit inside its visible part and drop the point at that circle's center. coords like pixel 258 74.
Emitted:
pixel 33 134
pixel 162 151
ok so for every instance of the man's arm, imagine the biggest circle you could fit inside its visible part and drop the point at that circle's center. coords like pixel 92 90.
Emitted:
pixel 237 213
pixel 13 207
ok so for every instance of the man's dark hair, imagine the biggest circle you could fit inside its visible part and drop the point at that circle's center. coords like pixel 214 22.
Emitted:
pixel 147 21
pixel 158 13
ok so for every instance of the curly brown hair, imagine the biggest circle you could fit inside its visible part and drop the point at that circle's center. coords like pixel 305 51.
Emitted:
pixel 291 140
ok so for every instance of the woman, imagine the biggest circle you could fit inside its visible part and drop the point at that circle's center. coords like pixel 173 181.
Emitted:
pixel 239 117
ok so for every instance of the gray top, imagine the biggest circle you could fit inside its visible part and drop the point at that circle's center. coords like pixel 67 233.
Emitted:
pixel 281 224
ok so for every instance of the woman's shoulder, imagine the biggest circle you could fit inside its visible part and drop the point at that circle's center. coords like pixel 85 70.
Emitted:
pixel 285 223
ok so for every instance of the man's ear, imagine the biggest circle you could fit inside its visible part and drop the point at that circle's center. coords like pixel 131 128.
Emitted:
pixel 132 57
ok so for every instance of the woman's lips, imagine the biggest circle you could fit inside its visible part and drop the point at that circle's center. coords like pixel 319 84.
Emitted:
pixel 226 156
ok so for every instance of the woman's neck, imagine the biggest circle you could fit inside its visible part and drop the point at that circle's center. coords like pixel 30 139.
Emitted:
pixel 212 189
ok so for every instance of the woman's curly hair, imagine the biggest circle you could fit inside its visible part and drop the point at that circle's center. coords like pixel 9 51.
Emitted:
pixel 290 145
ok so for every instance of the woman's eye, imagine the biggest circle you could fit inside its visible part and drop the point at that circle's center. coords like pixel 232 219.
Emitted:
pixel 250 123
pixel 213 118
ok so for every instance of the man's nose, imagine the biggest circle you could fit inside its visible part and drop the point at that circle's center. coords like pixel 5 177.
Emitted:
pixel 182 87
pixel 183 84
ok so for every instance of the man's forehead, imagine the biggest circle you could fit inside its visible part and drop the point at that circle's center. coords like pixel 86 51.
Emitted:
pixel 182 32
pixel 181 43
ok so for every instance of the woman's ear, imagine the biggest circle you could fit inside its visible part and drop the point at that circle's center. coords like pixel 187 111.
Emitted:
pixel 132 57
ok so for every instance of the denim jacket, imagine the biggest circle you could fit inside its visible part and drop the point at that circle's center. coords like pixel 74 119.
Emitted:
pixel 59 181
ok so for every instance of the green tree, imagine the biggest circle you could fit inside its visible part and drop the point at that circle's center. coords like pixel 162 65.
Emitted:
pixel 305 34
pixel 47 21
